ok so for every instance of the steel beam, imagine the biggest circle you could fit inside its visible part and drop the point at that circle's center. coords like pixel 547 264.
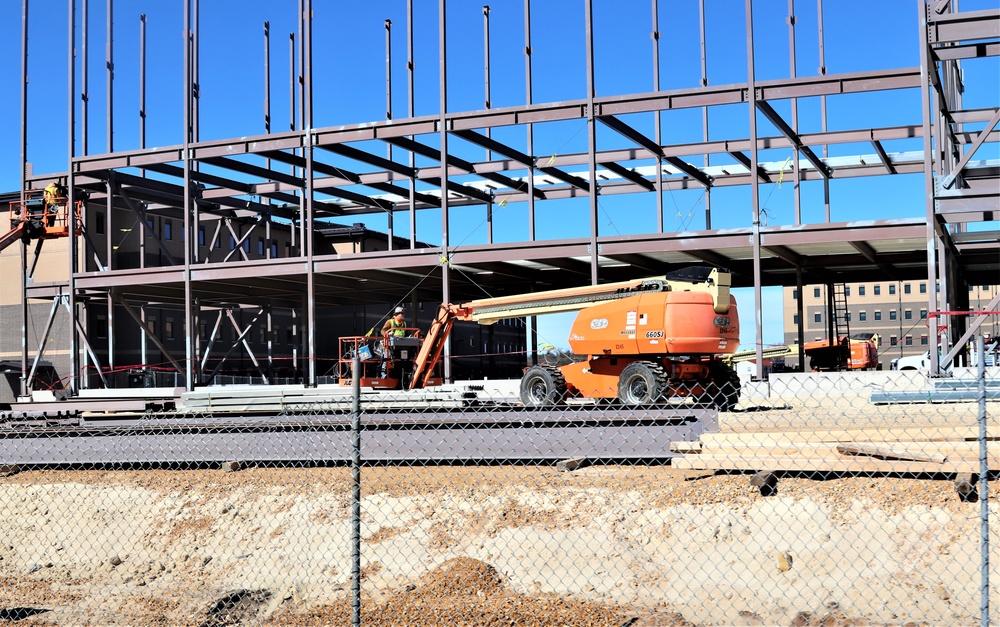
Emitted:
pixel 793 137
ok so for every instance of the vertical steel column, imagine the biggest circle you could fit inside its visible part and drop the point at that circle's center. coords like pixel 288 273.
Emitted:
pixel 530 146
pixel 307 123
pixel 657 130
pixel 488 103
pixel 195 130
pixel 390 227
pixel 143 346
pixel 754 192
pixel 301 78
pixel 928 109
pixel 822 106
pixel 410 112
pixel 291 126
pixel 443 128
pixel 795 115
pixel 267 125
pixel 84 78
pixel 591 139
pixel 110 66
pixel 70 200
pixel 109 61
pixel 704 110
pixel 190 235
pixel 21 185
pixel 800 311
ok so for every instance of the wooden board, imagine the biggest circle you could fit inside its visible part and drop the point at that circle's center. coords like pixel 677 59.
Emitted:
pixel 823 464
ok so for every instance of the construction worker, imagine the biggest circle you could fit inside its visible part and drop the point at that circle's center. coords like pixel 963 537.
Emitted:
pixel 395 326
pixel 54 195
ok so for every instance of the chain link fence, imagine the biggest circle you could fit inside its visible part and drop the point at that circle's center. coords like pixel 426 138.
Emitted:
pixel 841 498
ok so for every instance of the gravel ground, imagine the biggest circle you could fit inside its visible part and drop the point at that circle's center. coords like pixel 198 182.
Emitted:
pixel 608 545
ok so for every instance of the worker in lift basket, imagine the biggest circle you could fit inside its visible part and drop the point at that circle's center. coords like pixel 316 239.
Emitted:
pixel 396 325
pixel 54 195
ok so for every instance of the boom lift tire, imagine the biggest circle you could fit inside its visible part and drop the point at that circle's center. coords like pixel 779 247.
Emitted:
pixel 642 383
pixel 723 390
pixel 542 386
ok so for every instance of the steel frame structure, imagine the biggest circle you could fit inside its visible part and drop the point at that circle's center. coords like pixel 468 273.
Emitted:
pixel 283 178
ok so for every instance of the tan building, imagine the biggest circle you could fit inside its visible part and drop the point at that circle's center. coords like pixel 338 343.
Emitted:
pixel 897 311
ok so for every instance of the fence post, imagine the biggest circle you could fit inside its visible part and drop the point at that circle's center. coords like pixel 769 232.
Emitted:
pixel 984 471
pixel 356 492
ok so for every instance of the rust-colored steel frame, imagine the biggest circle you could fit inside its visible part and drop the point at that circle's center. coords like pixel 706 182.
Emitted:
pixel 297 176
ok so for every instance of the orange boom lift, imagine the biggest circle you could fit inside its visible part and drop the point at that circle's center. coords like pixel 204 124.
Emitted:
pixel 645 340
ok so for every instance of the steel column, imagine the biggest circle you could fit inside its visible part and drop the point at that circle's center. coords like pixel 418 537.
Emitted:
pixel 591 140
pixel 70 201
pixel 410 89
pixel 22 183
pixel 190 233
pixel 754 194
pixel 84 76
pixel 307 123
pixel 109 61
pixel 388 115
pixel 657 130
pixel 704 109
pixel 443 129
pixel 530 146
pixel 927 110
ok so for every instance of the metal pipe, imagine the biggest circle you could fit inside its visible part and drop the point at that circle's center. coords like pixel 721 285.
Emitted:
pixel 110 64
pixel 443 128
pixel 70 200
pixel 531 132
pixel 21 185
pixel 356 491
pixel 984 475
pixel 754 192
pixel 591 139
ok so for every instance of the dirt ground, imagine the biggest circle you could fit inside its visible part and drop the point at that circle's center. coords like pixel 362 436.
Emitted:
pixel 505 545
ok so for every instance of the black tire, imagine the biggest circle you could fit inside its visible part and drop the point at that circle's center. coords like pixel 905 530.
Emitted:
pixel 542 386
pixel 642 383
pixel 723 387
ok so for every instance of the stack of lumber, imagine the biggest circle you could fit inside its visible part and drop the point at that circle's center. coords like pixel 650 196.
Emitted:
pixel 902 450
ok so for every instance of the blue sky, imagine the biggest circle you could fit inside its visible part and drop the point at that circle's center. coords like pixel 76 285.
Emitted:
pixel 349 76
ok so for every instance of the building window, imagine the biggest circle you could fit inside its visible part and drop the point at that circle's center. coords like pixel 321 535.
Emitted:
pixel 818 318
pixel 101 332
pixel 878 289
pixel 906 288
pixel 923 288
pixel 201 236
pixel 847 316
pixel 923 340
pixel 168 328
pixel 274 249
pixel 923 314
pixel 795 294
pixel 878 315
pixel 893 340
pixel 246 244
pixel 909 340
pixel 99 222
pixel 892 315
pixel 151 324
pixel 260 246
pixel 816 292
pixel 861 290
pixel 892 289
pixel 862 316
pixel 168 229
pixel 795 319
pixel 847 290
pixel 203 330
pixel 908 314
pixel 149 227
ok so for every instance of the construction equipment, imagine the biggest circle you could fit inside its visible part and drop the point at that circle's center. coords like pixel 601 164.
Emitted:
pixel 37 219
pixel 645 340
pixel 858 352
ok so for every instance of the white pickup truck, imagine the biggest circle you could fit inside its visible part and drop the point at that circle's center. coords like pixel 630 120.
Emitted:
pixel 912 362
